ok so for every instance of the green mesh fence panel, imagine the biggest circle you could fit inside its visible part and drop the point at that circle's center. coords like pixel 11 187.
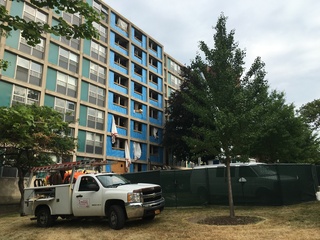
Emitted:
pixel 277 184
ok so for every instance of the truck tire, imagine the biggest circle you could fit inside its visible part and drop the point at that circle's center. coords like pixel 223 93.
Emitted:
pixel 44 218
pixel 116 217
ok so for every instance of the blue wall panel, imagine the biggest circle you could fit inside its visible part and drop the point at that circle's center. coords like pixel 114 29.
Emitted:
pixel 5 93
pixel 51 80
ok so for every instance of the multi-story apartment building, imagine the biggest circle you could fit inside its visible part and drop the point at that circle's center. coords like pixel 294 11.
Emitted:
pixel 114 89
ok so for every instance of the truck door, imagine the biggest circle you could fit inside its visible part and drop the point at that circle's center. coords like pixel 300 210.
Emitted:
pixel 87 197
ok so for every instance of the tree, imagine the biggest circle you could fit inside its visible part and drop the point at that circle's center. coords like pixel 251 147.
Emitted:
pixel 311 114
pixel 32 31
pixel 29 135
pixel 284 137
pixel 225 102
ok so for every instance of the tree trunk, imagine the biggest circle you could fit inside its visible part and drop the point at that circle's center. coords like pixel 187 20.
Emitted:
pixel 21 189
pixel 230 195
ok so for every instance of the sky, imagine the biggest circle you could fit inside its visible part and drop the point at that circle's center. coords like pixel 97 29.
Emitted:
pixel 284 33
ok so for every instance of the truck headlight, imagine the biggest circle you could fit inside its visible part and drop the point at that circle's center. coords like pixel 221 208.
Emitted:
pixel 134 197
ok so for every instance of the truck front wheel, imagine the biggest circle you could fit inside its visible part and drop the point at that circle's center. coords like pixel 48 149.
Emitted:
pixel 44 218
pixel 116 217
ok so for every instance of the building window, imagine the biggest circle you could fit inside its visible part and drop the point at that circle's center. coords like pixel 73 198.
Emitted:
pixel 121 121
pixel 153 113
pixel 153 62
pixel 138 52
pixel 102 10
pixel 72 42
pixel 28 71
pixel 153 132
pixel 73 19
pixel 94 143
pixel 121 42
pixel 97 73
pixel 153 46
pixel 137 126
pixel 120 100
pixel 95 119
pixel 25 96
pixel 138 35
pixel 120 60
pixel 66 85
pixel 121 24
pixel 119 144
pixel 68 60
pixel 137 70
pixel 102 31
pixel 176 82
pixel 98 52
pixel 120 80
pixel 153 78
pixel 97 95
pixel 153 95
pixel 66 108
pixel 154 150
pixel 138 107
pixel 37 51
pixel 175 67
pixel 33 14
pixel 138 88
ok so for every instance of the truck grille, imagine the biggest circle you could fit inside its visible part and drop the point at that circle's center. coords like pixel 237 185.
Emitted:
pixel 151 194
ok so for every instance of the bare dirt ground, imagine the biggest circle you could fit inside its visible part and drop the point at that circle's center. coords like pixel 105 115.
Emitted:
pixel 294 222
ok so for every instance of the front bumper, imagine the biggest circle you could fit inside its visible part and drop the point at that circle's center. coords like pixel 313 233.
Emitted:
pixel 139 210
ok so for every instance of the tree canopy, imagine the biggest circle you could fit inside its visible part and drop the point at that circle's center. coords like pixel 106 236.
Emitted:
pixel 30 135
pixel 311 114
pixel 32 31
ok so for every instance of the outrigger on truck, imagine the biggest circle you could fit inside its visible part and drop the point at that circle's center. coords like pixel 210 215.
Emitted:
pixel 80 190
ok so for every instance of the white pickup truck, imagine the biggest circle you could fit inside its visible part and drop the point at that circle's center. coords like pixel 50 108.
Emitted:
pixel 88 195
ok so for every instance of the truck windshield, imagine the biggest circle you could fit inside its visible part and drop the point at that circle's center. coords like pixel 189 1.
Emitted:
pixel 112 180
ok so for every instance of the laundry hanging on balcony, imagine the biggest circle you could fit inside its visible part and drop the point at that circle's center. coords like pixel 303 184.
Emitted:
pixel 127 156
pixel 114 131
pixel 136 150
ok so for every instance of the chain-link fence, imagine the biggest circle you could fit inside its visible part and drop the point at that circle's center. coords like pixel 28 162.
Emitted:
pixel 256 184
